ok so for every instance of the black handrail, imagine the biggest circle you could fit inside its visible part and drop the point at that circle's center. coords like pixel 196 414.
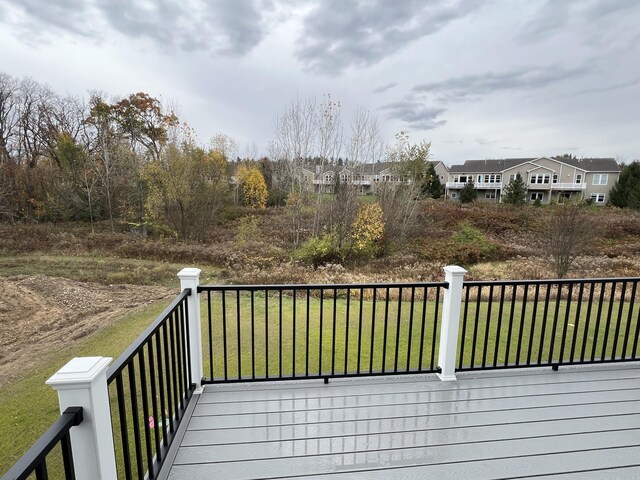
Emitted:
pixel 286 332
pixel 153 387
pixel 35 459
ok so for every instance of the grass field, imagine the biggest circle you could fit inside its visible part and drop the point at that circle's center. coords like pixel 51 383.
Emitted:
pixel 28 407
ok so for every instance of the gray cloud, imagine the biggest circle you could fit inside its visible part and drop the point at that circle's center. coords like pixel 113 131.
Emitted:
pixel 555 16
pixel 605 89
pixel 385 87
pixel 415 114
pixel 338 35
pixel 225 27
pixel 473 86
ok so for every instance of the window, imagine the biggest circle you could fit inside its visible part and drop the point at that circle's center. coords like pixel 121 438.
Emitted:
pixel 490 195
pixel 479 178
pixel 554 178
pixel 454 195
pixel 536 196
pixel 460 178
pixel 512 177
pixel 579 178
pixel 600 179
pixel 597 197
pixel 489 178
pixel 539 178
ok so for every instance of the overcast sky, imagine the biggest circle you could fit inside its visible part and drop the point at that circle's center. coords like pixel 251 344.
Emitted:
pixel 479 79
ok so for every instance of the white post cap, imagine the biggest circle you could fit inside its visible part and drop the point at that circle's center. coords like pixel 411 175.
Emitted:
pixel 79 371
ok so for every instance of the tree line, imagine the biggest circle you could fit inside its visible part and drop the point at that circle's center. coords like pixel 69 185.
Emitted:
pixel 132 161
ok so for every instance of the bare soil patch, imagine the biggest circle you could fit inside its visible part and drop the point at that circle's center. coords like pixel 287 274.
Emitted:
pixel 40 314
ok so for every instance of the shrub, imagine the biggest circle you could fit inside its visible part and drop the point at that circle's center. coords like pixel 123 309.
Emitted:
pixel 367 231
pixel 319 250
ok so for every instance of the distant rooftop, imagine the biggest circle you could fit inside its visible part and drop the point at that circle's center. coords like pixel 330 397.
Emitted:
pixel 499 165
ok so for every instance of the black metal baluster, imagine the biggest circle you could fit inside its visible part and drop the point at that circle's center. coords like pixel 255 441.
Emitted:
pixel 180 357
pixel 384 339
pixel 333 333
pixel 523 314
pixel 435 330
pixel 154 397
pixel 306 368
pixel 464 326
pixel 514 292
pixel 186 348
pixel 135 421
pixel 608 325
pixel 239 333
pixel 67 457
pixel 487 327
pixel 41 470
pixel 266 332
pixel 373 328
pixel 587 322
pixel 346 335
pixel 253 335
pixel 321 331
pixel 174 373
pixel 209 329
pixel 499 327
pixel 145 412
pixel 280 358
pixel 534 314
pixel 635 337
pixel 576 323
pixel 476 323
pixel 619 320
pixel 360 330
pixel 422 325
pixel 293 343
pixel 124 431
pixel 413 297
pixel 224 334
pixel 395 360
pixel 555 322
pixel 596 334
pixel 629 316
pixel 566 322
pixel 167 372
pixel 544 323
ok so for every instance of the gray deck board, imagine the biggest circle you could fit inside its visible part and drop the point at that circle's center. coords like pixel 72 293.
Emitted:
pixel 576 423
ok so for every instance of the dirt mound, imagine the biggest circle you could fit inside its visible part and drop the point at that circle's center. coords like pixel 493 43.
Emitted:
pixel 39 314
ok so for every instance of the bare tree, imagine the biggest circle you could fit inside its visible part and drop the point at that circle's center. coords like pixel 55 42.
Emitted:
pixel 9 115
pixel 566 232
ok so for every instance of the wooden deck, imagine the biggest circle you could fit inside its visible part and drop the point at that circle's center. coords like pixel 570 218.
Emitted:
pixel 581 422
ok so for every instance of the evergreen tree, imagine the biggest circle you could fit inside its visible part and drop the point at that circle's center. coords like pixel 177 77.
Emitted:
pixel 468 192
pixel 515 193
pixel 435 189
pixel 626 191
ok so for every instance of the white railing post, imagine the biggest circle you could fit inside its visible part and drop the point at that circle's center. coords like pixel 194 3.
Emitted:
pixel 448 352
pixel 190 278
pixel 83 383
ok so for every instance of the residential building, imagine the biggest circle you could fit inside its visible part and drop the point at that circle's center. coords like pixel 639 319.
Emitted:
pixel 547 178
pixel 366 176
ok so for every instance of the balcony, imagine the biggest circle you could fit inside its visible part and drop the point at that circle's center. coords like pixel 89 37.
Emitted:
pixel 568 186
pixel 451 379
pixel 478 186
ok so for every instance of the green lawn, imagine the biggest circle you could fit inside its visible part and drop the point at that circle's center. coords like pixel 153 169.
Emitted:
pixel 28 407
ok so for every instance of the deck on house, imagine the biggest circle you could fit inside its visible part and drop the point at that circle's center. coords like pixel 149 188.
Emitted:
pixel 578 422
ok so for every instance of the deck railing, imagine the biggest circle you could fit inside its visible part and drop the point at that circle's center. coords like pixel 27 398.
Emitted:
pixel 285 332
pixel 151 385
pixel 548 323
pixel 35 460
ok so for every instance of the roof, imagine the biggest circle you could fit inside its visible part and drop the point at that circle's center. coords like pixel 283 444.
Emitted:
pixel 499 165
